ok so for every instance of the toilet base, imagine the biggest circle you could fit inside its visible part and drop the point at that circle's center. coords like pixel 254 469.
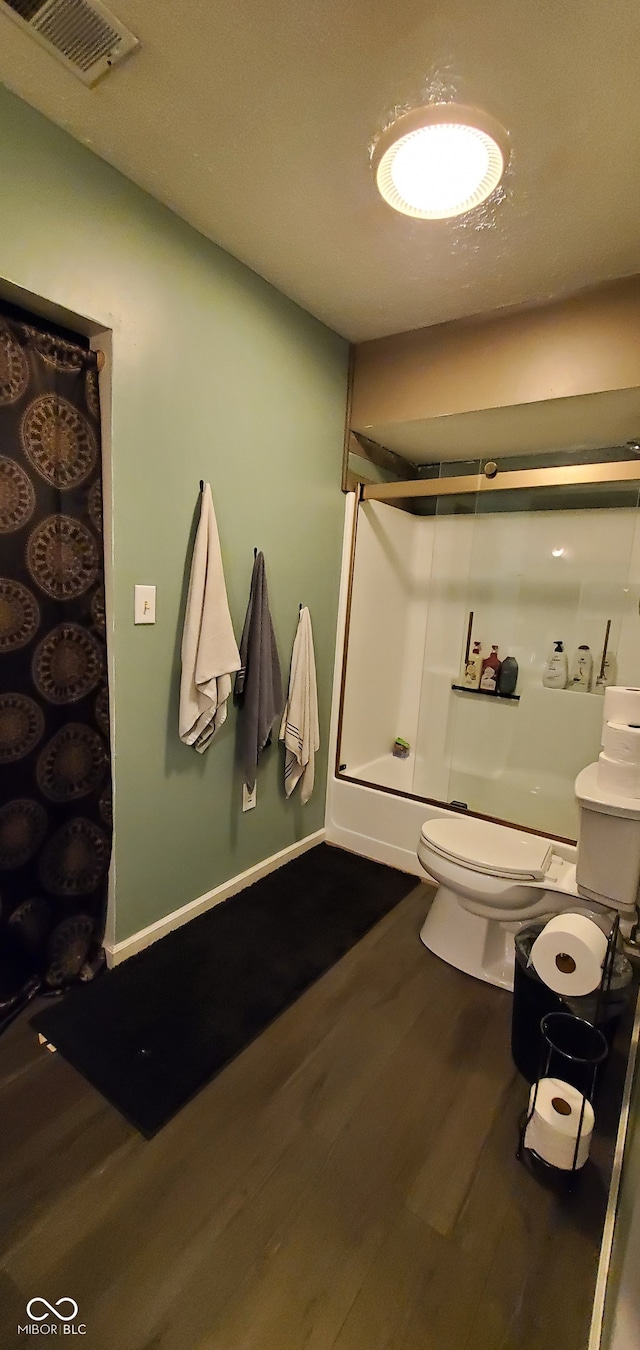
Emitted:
pixel 480 947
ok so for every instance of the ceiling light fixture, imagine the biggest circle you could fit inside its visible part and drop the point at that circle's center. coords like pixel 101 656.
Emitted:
pixel 440 160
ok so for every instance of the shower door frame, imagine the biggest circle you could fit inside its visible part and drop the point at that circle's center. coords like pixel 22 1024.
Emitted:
pixel 488 480
pixel 492 480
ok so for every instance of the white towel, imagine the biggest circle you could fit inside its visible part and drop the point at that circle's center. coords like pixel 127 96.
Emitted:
pixel 209 649
pixel 300 729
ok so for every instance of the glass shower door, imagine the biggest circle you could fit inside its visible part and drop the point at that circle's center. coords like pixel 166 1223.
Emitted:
pixel 529 577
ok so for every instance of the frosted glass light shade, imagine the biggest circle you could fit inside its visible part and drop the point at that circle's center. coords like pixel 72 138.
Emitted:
pixel 440 161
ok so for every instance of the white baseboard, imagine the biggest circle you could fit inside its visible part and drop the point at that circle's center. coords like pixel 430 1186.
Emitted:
pixel 119 951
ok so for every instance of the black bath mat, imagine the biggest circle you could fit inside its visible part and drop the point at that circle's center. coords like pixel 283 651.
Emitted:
pixel 151 1032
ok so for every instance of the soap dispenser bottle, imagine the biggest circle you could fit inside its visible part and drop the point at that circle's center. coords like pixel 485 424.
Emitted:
pixel 556 671
pixel 581 670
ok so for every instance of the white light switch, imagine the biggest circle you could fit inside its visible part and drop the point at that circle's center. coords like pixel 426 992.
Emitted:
pixel 144 608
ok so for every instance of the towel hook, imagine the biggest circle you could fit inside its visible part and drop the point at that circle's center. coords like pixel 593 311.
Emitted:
pixel 201 484
pixel 255 554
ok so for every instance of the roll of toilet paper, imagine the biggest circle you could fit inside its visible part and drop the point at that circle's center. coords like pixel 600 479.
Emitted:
pixel 621 742
pixel 554 1125
pixel 621 705
pixel 623 780
pixel 568 954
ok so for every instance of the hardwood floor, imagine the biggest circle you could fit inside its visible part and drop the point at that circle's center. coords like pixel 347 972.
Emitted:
pixel 348 1183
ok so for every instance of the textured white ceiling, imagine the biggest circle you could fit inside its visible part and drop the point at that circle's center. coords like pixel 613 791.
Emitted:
pixel 253 120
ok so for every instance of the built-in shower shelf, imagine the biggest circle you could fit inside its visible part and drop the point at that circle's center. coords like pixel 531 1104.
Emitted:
pixel 485 693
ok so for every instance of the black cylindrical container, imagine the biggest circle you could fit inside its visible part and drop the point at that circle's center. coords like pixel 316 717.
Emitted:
pixel 532 1000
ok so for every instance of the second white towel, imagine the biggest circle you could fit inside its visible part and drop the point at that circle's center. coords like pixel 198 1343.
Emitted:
pixel 300 729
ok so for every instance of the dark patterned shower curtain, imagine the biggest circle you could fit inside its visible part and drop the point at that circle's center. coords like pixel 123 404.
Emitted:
pixel 55 782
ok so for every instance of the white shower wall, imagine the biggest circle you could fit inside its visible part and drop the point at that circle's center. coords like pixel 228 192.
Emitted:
pixel 415 580
pixel 386 644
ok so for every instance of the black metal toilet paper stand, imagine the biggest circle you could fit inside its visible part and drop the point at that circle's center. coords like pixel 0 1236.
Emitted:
pixel 579 1047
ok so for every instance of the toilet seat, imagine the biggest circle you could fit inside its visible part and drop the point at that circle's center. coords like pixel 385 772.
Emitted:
pixel 489 849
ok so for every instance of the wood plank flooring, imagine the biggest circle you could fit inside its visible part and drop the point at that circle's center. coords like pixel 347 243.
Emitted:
pixel 348 1183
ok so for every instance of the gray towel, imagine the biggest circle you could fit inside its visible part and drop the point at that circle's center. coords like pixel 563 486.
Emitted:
pixel 259 681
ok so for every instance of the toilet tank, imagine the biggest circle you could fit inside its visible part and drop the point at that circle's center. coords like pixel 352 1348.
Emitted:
pixel 608 863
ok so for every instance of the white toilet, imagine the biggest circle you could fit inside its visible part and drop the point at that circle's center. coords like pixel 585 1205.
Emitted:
pixel 493 879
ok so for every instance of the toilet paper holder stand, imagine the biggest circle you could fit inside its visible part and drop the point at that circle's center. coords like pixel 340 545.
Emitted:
pixel 581 1048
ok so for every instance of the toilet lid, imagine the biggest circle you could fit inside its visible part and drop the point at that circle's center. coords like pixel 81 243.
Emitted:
pixel 493 849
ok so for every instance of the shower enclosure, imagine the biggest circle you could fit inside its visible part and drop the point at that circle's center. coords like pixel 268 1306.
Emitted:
pixel 539 551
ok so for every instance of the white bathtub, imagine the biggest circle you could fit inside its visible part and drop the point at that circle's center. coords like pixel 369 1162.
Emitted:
pixel 385 825
pixel 542 801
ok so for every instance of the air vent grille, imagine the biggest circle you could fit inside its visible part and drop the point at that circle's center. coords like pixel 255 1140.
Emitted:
pixel 82 33
pixel 77 32
pixel 26 8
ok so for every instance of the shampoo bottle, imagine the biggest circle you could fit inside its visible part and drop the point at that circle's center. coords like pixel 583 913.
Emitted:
pixel 556 671
pixel 508 676
pixel 581 670
pixel 490 671
pixel 472 669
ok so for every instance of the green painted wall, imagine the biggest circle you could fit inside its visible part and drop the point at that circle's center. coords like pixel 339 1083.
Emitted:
pixel 215 375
